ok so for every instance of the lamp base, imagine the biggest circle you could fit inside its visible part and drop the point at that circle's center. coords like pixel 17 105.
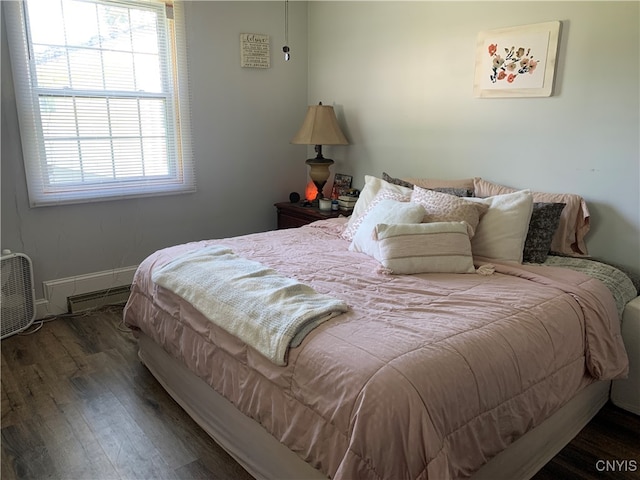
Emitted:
pixel 319 173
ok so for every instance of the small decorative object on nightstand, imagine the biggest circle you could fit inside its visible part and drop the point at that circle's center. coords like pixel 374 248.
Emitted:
pixel 294 197
pixel 291 215
pixel 346 203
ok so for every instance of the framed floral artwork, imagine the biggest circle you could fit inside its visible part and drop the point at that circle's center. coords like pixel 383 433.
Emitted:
pixel 517 61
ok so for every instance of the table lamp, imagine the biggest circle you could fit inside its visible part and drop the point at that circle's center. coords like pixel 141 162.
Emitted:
pixel 320 127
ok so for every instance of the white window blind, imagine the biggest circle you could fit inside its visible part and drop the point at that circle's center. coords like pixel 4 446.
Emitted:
pixel 103 98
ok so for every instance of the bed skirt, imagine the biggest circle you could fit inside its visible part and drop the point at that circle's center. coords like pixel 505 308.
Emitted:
pixel 266 458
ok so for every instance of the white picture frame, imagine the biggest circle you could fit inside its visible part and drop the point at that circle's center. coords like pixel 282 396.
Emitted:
pixel 255 50
pixel 517 61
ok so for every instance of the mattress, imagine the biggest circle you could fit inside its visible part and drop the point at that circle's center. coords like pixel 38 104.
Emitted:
pixel 426 376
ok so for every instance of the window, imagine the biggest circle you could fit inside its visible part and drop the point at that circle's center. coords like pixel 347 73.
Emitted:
pixel 102 96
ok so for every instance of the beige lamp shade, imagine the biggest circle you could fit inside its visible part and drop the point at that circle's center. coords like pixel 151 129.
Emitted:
pixel 320 127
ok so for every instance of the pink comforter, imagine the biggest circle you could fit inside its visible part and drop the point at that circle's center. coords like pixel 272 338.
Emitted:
pixel 428 376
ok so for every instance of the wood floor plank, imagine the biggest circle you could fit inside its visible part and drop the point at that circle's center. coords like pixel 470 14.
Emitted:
pixel 73 447
pixel 131 452
pixel 26 452
pixel 40 394
pixel 195 470
pixel 138 392
pixel 12 400
pixel 78 404
pixel 612 436
pixel 19 350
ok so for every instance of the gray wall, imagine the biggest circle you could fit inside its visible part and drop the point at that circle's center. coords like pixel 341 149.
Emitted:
pixel 402 74
pixel 243 120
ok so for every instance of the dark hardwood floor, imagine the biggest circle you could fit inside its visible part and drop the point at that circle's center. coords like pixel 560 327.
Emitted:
pixel 77 404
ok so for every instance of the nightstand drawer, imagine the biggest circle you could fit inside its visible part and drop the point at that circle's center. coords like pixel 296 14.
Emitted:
pixel 289 221
pixel 291 215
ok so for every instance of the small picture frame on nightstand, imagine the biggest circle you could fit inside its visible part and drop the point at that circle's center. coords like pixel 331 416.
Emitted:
pixel 341 183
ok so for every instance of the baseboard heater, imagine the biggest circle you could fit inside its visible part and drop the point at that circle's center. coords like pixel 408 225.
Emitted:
pixel 98 299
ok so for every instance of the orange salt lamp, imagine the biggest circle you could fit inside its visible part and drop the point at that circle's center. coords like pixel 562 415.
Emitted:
pixel 311 192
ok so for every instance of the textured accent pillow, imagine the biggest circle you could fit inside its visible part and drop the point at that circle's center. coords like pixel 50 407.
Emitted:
pixel 503 229
pixel 385 211
pixel 545 218
pixel 574 221
pixel 432 183
pixel 372 185
pixel 442 207
pixel 439 247
pixel 352 226
pixel 457 191
pixel 396 181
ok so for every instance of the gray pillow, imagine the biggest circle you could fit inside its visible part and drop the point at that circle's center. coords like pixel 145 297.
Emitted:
pixel 544 222
pixel 458 192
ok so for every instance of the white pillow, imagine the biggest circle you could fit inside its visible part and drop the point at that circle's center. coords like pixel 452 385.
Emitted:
pixel 502 231
pixel 384 194
pixel 439 247
pixel 386 211
pixel 372 185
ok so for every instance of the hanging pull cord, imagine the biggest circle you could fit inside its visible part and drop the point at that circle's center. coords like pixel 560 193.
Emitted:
pixel 286 49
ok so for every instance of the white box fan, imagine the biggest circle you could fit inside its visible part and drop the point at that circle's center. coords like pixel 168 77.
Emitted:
pixel 17 296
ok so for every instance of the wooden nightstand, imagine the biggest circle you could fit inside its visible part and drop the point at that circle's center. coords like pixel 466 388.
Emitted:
pixel 292 215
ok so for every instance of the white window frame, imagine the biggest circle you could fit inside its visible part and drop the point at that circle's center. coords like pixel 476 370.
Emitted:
pixel 180 179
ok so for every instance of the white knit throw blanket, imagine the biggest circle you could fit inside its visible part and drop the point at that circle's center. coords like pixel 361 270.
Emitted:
pixel 266 310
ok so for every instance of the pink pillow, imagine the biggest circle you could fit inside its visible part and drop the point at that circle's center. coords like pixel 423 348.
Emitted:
pixel 574 220
pixel 431 183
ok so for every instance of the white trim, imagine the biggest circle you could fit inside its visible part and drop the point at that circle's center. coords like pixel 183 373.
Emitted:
pixel 57 291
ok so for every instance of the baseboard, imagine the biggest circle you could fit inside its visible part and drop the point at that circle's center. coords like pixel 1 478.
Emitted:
pixel 56 292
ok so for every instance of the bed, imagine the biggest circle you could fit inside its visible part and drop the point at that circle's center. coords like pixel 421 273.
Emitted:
pixel 421 370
